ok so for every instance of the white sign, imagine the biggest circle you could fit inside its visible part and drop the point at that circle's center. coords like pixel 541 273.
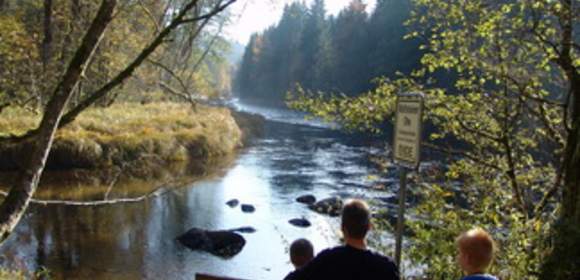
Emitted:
pixel 408 124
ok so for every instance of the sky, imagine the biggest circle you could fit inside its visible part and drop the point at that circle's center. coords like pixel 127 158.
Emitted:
pixel 251 16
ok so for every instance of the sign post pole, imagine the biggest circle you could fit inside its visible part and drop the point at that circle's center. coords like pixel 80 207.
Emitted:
pixel 407 151
pixel 401 216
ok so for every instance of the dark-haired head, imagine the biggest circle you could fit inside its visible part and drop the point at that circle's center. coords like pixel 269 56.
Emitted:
pixel 356 219
pixel 301 252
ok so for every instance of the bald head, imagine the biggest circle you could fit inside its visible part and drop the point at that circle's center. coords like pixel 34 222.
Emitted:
pixel 476 249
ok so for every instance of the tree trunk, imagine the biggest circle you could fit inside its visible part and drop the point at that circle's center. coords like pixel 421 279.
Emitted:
pixel 47 41
pixel 15 204
pixel 563 263
pixel 564 260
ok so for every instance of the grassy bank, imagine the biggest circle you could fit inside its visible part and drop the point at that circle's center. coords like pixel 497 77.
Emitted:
pixel 157 133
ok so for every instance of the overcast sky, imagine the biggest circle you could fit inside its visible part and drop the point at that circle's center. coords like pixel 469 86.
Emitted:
pixel 250 16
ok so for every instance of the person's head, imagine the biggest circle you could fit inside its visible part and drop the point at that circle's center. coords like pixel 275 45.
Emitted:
pixel 301 252
pixel 476 248
pixel 356 220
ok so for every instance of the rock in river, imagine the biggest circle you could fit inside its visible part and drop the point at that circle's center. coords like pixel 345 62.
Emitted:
pixel 330 206
pixel 248 208
pixel 306 199
pixel 300 222
pixel 233 203
pixel 222 243
pixel 244 230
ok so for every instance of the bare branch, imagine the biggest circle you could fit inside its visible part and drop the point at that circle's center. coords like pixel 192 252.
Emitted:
pixel 214 12
pixel 170 72
pixel 150 15
pixel 156 193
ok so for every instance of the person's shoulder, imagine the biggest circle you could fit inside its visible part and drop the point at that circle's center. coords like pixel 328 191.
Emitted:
pixel 381 258
pixel 332 251
pixel 291 276
pixel 480 277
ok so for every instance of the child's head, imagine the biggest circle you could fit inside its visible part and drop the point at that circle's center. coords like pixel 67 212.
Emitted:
pixel 301 252
pixel 476 248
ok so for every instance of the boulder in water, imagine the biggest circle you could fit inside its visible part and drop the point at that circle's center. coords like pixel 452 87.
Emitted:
pixel 302 222
pixel 306 199
pixel 221 243
pixel 233 203
pixel 244 230
pixel 330 206
pixel 248 208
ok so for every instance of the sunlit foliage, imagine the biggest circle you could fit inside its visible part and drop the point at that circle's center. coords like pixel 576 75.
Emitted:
pixel 498 94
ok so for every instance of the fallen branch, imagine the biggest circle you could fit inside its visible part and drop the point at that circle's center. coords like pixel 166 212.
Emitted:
pixel 156 193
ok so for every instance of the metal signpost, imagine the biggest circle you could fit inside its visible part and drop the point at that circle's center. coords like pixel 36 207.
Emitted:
pixel 407 151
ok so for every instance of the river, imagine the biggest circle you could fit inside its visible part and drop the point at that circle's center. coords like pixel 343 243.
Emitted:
pixel 137 240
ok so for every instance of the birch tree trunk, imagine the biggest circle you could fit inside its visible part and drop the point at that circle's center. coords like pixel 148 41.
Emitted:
pixel 15 204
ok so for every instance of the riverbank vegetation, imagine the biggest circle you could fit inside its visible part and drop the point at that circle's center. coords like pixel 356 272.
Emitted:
pixel 502 88
pixel 126 132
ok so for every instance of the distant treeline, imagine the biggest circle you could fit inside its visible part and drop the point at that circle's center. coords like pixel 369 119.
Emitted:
pixel 340 54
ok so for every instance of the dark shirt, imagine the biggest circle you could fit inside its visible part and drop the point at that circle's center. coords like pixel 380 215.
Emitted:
pixel 479 277
pixel 290 276
pixel 348 263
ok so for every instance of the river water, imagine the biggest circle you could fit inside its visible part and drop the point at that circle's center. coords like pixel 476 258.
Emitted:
pixel 137 240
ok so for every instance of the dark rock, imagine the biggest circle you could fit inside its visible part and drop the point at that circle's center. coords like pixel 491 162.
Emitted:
pixel 300 222
pixel 233 203
pixel 248 208
pixel 330 206
pixel 222 243
pixel 306 199
pixel 244 230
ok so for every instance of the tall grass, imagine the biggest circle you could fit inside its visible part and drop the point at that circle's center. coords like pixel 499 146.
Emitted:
pixel 126 131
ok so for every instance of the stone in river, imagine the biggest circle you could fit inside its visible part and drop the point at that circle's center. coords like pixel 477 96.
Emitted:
pixel 233 203
pixel 330 206
pixel 306 199
pixel 221 243
pixel 300 222
pixel 244 230
pixel 248 208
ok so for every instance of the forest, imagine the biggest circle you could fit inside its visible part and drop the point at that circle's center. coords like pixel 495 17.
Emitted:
pixel 39 37
pixel 322 52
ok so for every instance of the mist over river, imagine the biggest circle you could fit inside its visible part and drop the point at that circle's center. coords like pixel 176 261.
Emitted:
pixel 137 240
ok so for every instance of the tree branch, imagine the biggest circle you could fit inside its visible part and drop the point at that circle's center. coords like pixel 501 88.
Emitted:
pixel 214 12
pixel 150 15
pixel 156 193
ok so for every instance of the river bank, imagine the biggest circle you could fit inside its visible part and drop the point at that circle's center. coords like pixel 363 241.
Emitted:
pixel 139 139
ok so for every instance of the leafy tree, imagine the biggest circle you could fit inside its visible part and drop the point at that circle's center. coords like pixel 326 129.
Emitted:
pixel 514 107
